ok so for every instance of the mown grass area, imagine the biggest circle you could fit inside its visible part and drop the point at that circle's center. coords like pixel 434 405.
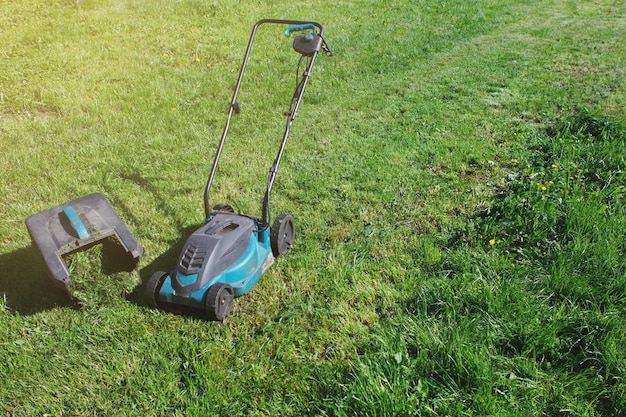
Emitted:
pixel 455 173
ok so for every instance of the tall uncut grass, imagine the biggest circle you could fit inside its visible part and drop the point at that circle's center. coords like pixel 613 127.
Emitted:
pixel 529 299
pixel 455 173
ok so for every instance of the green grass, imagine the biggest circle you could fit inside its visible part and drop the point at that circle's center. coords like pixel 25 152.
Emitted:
pixel 530 298
pixel 455 173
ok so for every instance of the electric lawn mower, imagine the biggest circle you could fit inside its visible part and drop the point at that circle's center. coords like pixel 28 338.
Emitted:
pixel 225 257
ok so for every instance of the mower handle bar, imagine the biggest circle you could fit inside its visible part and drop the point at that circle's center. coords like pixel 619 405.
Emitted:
pixel 295 25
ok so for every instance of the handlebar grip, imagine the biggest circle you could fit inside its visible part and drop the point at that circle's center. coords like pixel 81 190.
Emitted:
pixel 298 28
pixel 76 222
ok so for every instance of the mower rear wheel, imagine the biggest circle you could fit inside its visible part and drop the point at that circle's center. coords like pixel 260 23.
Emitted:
pixel 282 234
pixel 153 287
pixel 219 301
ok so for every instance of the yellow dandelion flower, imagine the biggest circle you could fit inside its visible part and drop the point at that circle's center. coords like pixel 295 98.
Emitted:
pixel 492 242
pixel 543 188
pixel 554 166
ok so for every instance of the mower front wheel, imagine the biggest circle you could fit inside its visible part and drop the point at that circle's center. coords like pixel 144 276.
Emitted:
pixel 282 234
pixel 153 287
pixel 219 301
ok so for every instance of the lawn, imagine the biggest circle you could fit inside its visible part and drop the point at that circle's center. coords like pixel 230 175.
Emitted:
pixel 455 173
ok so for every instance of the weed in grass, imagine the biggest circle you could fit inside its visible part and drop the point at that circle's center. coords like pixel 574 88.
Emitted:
pixel 575 178
pixel 562 216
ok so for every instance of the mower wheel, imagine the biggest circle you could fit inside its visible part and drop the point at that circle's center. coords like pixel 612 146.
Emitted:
pixel 153 287
pixel 219 301
pixel 224 207
pixel 282 234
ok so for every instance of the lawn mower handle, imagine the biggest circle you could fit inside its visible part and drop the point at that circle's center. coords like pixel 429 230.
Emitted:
pixel 296 25
pixel 298 28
